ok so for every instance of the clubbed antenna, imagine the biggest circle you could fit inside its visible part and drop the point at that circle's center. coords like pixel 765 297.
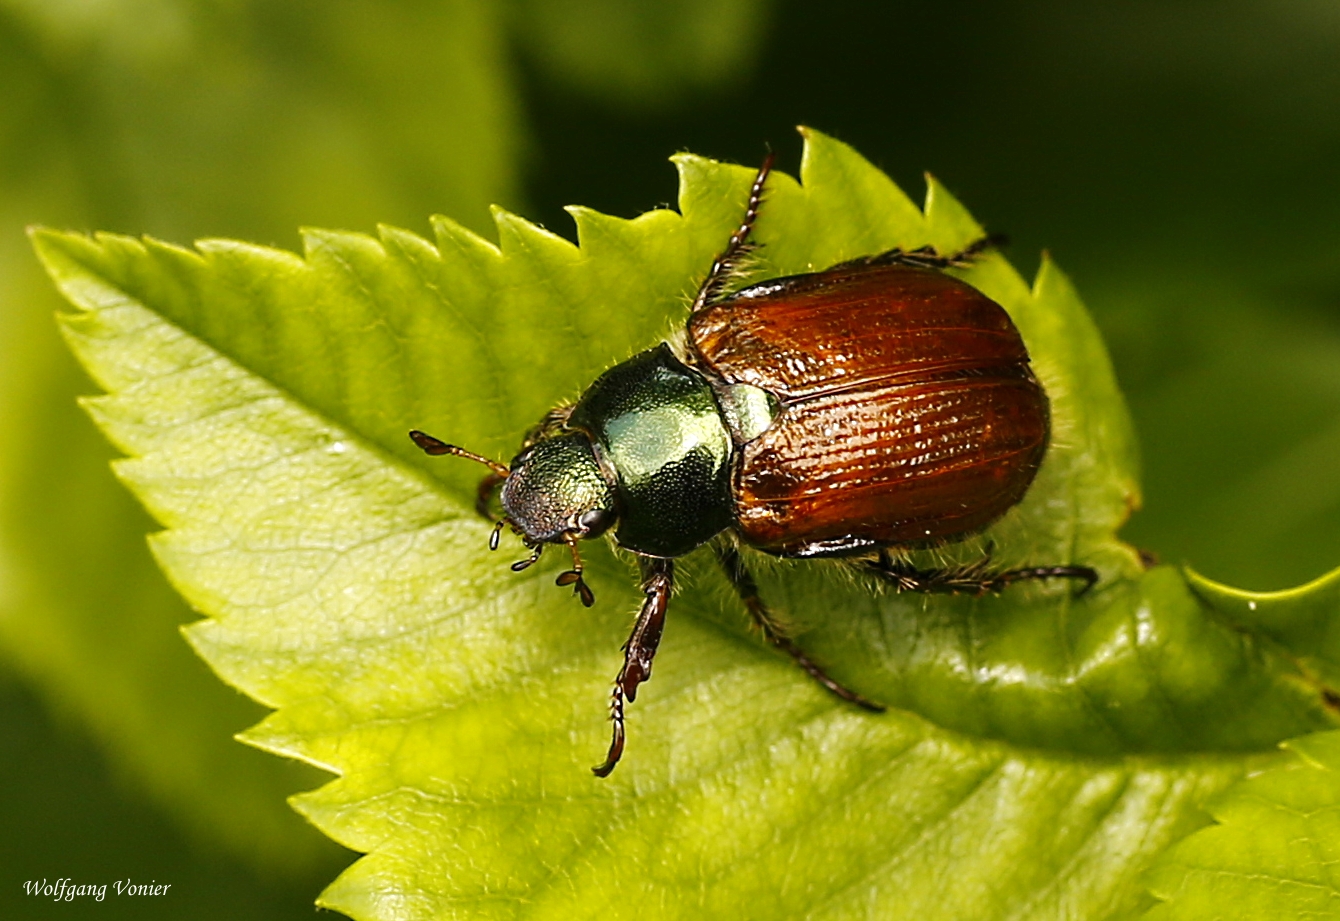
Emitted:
pixel 433 446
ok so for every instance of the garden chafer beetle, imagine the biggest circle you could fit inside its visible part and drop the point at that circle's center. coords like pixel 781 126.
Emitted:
pixel 879 405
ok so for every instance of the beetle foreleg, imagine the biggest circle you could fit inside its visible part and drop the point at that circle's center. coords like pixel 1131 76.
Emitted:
pixel 638 652
pixel 977 578
pixel 747 589
pixel 550 424
pixel 484 494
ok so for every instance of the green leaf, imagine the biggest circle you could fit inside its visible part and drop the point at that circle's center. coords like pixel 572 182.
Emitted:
pixel 1043 750
pixel 1275 849
pixel 1299 623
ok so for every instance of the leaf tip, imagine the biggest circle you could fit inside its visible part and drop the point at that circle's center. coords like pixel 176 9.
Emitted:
pixel 946 215
pixel 1051 280
pixel 692 169
pixel 48 243
pixel 515 234
pixel 454 236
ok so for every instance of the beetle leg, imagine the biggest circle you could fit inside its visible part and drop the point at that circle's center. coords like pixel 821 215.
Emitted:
pixel 551 423
pixel 717 276
pixel 926 257
pixel 976 578
pixel 965 257
pixel 484 494
pixel 657 578
pixel 573 576
pixel 747 589
pixel 1083 573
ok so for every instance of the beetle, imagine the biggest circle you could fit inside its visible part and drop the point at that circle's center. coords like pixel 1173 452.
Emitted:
pixel 877 406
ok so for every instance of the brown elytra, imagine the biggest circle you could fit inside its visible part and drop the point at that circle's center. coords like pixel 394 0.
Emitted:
pixel 909 415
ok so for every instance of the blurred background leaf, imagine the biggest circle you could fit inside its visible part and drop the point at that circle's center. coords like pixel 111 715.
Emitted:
pixel 641 56
pixel 1178 159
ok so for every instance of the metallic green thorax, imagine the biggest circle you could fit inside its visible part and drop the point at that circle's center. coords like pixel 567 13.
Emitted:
pixel 655 422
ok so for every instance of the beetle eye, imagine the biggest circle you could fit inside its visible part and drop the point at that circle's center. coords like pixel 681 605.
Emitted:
pixel 595 522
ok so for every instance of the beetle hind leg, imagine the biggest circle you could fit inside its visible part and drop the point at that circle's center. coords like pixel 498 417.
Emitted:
pixel 927 257
pixel 975 579
pixel 747 589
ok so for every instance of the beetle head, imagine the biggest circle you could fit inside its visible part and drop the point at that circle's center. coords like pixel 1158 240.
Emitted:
pixel 556 491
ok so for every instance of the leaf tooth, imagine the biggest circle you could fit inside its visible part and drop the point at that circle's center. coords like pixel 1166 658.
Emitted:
pixel 792 252
pixel 467 246
pixel 949 224
pixel 124 428
pixel 373 887
pixel 318 242
pixel 545 294
pixel 606 237
pixel 1051 282
pixel 164 277
pixel 91 338
pixel 379 292
pixel 271 257
pixel 1055 310
pixel 280 735
pixel 123 248
pixel 407 245
pixel 846 190
pixel 76 263
pixel 1272 852
pixel 700 200
pixel 146 481
pixel 326 811
pixel 520 239
pixel 209 638
pixel 451 297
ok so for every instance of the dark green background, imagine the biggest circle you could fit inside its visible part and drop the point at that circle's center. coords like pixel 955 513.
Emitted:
pixel 1179 160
